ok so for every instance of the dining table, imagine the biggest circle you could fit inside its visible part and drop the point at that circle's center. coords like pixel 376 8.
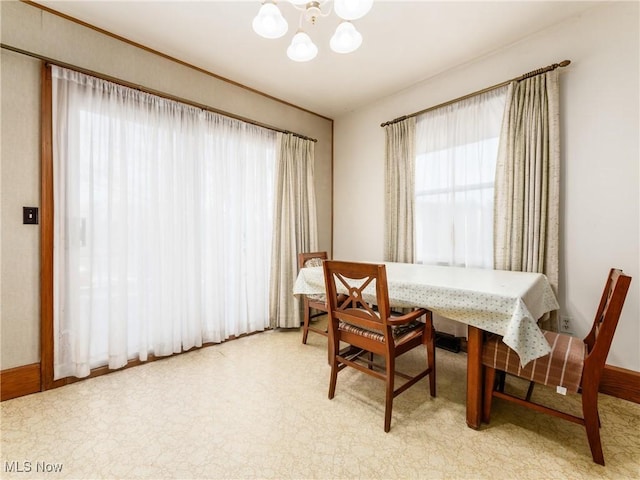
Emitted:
pixel 503 302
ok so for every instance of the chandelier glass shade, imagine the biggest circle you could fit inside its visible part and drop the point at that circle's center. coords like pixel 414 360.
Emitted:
pixel 346 39
pixel 270 23
pixel 302 49
pixel 352 9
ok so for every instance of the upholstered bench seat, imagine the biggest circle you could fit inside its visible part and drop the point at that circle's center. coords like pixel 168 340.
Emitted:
pixel 400 333
pixel 561 367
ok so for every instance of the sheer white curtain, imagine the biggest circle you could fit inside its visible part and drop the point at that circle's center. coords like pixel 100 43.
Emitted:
pixel 456 151
pixel 163 225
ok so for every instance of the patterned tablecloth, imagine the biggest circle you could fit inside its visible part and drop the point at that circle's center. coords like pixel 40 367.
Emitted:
pixel 503 302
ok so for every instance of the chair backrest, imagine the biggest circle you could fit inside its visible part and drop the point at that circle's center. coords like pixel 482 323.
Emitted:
pixel 599 339
pixel 364 285
pixel 303 258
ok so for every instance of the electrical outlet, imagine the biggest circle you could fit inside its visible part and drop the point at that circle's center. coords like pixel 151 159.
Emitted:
pixel 565 324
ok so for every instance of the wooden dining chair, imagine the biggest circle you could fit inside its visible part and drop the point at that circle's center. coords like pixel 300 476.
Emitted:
pixel 368 330
pixel 314 305
pixel 574 365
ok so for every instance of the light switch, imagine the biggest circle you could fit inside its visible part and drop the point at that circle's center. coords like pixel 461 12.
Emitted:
pixel 30 215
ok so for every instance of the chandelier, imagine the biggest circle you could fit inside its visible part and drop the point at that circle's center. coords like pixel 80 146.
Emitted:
pixel 269 23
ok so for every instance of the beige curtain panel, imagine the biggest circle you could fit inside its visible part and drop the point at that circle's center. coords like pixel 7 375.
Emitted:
pixel 400 191
pixel 295 226
pixel 527 187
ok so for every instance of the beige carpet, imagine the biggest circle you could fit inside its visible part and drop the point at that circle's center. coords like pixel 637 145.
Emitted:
pixel 257 407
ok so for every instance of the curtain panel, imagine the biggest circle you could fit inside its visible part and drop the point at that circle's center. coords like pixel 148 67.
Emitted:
pixel 163 225
pixel 295 227
pixel 456 153
pixel 399 233
pixel 528 179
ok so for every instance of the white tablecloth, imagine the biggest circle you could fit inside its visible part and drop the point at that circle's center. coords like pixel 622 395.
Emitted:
pixel 503 302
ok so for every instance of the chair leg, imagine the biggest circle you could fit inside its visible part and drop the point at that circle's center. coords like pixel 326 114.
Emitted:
pixel 334 377
pixel 431 359
pixel 388 406
pixel 489 384
pixel 307 319
pixel 529 391
pixel 305 328
pixel 592 423
pixel 502 377
pixel 334 350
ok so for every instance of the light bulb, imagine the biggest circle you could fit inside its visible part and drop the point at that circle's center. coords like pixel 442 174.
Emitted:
pixel 302 48
pixel 346 39
pixel 269 23
pixel 352 9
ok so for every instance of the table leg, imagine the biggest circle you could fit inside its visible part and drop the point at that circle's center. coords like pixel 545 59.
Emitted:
pixel 474 377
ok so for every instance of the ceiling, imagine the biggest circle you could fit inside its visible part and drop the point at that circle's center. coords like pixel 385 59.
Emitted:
pixel 404 42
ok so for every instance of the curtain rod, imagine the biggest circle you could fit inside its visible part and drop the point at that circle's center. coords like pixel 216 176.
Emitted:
pixel 533 73
pixel 148 90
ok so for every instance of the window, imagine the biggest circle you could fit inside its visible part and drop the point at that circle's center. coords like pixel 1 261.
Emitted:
pixel 456 152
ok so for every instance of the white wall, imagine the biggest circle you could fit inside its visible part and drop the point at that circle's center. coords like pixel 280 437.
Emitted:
pixel 600 109
pixel 19 187
pixel 34 30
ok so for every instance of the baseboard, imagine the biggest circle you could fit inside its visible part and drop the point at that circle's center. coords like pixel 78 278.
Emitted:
pixel 617 382
pixel 19 381
pixel 621 383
